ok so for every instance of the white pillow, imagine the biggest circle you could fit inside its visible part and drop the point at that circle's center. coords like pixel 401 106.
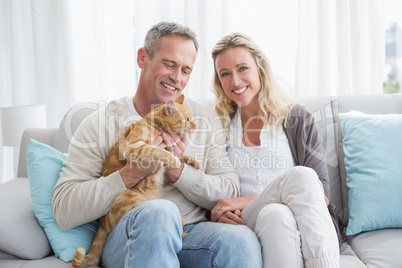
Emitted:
pixel 20 233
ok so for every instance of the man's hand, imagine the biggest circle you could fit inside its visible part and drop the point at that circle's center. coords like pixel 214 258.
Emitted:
pixel 133 172
pixel 176 144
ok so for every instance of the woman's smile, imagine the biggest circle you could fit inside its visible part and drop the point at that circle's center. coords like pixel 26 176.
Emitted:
pixel 240 90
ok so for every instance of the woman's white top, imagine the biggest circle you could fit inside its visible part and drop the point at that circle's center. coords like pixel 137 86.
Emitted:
pixel 258 166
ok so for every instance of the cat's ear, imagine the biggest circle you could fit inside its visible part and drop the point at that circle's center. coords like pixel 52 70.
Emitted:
pixel 180 99
pixel 170 108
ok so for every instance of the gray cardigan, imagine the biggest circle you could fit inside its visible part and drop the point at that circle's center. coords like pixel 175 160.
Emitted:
pixel 305 143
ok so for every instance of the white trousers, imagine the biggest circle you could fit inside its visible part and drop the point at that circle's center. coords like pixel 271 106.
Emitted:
pixel 292 221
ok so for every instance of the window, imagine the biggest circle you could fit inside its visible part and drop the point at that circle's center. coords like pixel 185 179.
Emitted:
pixel 393 47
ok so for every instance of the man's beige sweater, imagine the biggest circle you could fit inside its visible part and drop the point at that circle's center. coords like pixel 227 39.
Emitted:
pixel 81 195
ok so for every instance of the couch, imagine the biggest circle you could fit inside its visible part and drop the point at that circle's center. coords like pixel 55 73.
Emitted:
pixel 379 248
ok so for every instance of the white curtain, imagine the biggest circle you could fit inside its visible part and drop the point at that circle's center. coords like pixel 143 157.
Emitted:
pixel 52 53
pixel 272 24
pixel 341 47
pixel 61 52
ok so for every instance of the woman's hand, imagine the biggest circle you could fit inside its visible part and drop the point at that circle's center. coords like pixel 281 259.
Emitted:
pixel 326 199
pixel 229 210
pixel 231 217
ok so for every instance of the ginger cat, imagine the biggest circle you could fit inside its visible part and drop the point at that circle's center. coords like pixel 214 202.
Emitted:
pixel 135 144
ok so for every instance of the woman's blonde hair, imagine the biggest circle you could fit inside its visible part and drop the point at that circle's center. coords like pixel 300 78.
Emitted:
pixel 273 99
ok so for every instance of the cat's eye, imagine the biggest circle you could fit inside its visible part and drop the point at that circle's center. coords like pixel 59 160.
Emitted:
pixel 186 119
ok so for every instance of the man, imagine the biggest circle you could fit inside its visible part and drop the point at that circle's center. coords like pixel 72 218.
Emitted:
pixel 150 235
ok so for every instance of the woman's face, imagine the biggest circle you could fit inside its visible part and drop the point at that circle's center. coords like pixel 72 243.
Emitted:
pixel 238 73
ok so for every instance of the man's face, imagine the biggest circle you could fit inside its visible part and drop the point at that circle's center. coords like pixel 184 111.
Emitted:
pixel 167 73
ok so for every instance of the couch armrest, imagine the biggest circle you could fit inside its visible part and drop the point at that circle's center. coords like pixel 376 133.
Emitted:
pixel 20 233
pixel 43 135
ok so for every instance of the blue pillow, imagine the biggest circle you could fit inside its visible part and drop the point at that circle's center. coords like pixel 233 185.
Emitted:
pixel 44 164
pixel 373 155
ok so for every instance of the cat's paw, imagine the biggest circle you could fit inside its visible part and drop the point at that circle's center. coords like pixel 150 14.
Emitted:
pixel 191 161
pixel 195 164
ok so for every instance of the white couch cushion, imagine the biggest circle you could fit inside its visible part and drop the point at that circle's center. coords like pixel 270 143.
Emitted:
pixel 20 232
pixel 381 248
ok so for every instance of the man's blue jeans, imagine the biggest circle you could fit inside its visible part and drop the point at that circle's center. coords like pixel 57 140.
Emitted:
pixel 149 236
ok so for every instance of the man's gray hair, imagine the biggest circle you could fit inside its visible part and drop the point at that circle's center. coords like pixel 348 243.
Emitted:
pixel 152 39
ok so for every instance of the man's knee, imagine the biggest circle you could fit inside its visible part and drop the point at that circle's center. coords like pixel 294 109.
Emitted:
pixel 158 212
pixel 158 207
pixel 243 245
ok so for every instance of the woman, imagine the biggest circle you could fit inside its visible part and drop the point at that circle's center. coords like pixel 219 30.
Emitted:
pixel 277 150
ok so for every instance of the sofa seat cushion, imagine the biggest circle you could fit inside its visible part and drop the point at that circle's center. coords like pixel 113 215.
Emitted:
pixel 20 233
pixel 348 258
pixel 380 248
